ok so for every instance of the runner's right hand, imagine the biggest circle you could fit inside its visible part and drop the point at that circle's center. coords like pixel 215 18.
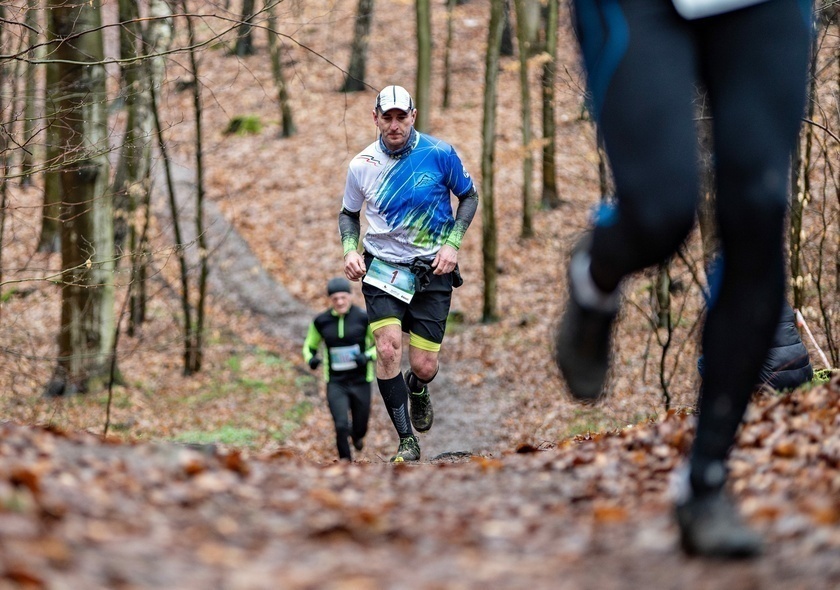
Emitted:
pixel 354 266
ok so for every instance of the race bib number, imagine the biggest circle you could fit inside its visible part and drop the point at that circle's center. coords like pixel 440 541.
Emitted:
pixel 394 280
pixel 343 358
pixel 691 9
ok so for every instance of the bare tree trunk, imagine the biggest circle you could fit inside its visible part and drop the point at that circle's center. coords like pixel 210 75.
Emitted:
pixel 156 39
pixel 447 73
pixel 86 337
pixel 355 80
pixel 4 151
pixel 50 238
pixel 422 88
pixel 488 152
pixel 837 234
pixel 195 351
pixel 506 46
pixel 550 197
pixel 245 38
pixel 30 94
pixel 801 190
pixel 706 206
pixel 287 125
pixel 525 32
pixel 135 150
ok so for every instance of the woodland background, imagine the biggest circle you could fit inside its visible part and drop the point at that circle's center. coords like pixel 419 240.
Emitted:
pixel 225 476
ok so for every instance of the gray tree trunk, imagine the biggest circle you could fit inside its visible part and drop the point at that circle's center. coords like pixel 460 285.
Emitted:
pixel 245 38
pixel 355 80
pixel 86 337
pixel 526 10
pixel 550 197
pixel 135 152
pixel 447 73
pixel 706 207
pixel 194 327
pixel 488 154
pixel 30 108
pixel 506 47
pixel 287 124
pixel 422 88
pixel 4 153
pixel 50 238
pixel 156 38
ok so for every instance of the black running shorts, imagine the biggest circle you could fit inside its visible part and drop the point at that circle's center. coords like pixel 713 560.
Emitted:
pixel 425 316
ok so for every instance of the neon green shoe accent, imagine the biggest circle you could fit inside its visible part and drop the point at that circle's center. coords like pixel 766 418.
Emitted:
pixel 409 450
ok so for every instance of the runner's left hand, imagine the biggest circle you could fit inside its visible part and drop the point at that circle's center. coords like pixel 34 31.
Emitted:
pixel 445 261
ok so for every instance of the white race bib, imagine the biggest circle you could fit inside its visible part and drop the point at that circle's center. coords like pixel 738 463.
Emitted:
pixel 394 280
pixel 343 358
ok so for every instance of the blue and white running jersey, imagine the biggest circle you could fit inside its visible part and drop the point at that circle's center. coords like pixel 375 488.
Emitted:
pixel 409 211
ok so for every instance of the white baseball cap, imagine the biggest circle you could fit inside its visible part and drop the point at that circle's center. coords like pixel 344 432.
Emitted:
pixel 394 97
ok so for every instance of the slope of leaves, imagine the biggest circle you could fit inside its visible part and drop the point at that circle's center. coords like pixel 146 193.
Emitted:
pixel 589 512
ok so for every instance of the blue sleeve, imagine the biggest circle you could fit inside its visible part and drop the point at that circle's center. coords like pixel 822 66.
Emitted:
pixel 458 180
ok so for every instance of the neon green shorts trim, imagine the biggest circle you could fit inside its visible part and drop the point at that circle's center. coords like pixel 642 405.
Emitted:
pixel 423 344
pixel 374 326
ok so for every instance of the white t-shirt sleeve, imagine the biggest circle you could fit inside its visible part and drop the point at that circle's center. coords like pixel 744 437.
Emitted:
pixel 353 196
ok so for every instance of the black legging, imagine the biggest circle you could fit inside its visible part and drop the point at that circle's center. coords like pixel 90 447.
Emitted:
pixel 643 63
pixel 350 408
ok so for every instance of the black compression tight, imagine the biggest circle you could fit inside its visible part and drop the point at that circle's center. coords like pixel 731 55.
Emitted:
pixel 643 63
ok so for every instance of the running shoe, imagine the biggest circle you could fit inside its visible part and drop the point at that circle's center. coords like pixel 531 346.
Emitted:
pixel 710 526
pixel 583 342
pixel 420 409
pixel 359 443
pixel 409 450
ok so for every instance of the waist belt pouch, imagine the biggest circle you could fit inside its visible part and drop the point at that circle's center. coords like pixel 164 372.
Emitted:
pixel 422 272
pixel 457 279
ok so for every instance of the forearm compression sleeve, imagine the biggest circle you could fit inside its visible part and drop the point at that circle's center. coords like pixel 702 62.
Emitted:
pixel 349 227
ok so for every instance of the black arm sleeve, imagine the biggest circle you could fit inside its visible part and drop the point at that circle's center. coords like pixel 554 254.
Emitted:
pixel 467 206
pixel 349 227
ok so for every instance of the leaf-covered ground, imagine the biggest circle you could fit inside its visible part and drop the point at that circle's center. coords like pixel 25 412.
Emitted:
pixel 228 479
pixel 592 512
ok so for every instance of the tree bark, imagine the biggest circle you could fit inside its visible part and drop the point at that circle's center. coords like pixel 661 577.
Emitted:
pixel 287 124
pixel 87 241
pixel 506 44
pixel 135 152
pixel 447 73
pixel 245 38
pixel 30 108
pixel 488 151
pixel 550 196
pixel 801 191
pixel 194 352
pixel 355 79
pixel 422 88
pixel 525 36
pixel 50 238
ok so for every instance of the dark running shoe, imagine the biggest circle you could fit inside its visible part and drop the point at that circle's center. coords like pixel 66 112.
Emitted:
pixel 409 450
pixel 582 345
pixel 422 414
pixel 358 444
pixel 420 408
pixel 710 526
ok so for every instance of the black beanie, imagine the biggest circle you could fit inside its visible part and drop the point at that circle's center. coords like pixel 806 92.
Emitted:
pixel 338 285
